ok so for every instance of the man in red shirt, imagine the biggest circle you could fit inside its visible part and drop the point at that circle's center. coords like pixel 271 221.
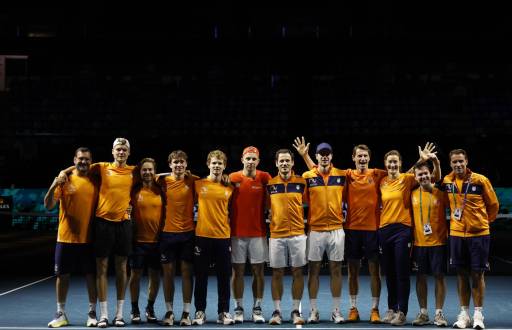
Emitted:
pixel 248 232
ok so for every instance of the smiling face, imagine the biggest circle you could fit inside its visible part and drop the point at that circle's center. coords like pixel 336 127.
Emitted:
pixel 324 158
pixel 82 161
pixel 393 164
pixel 458 163
pixel 423 176
pixel 147 172
pixel 361 159
pixel 178 166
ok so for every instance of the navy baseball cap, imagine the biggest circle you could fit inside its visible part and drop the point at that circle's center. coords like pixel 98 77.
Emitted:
pixel 323 146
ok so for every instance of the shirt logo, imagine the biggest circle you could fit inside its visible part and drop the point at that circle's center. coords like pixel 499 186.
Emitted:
pixel 204 190
pixel 140 198
pixel 70 189
pixel 339 180
pixel 237 185
pixel 226 193
pixel 473 188
pixel 298 187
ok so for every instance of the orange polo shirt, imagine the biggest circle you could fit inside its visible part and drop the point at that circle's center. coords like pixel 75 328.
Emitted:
pixel 77 204
pixel 213 209
pixel 395 196
pixel 435 202
pixel 147 210
pixel 179 196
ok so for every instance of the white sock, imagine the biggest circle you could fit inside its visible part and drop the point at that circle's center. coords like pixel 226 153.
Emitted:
pixel 277 305
pixel 353 301
pixel 257 302
pixel 103 310
pixel 423 311
pixel 296 304
pixel 336 303
pixel 239 302
pixel 479 309
pixel 375 302
pixel 438 311
pixel 464 309
pixel 186 307
pixel 119 311
pixel 168 306
pixel 60 307
pixel 92 307
pixel 312 304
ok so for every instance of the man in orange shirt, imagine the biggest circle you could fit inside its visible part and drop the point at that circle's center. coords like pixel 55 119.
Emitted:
pixel 177 238
pixel 113 227
pixel 248 231
pixel 287 244
pixel 325 219
pixel 430 234
pixel 77 195
pixel 213 243
pixel 474 206
pixel 148 216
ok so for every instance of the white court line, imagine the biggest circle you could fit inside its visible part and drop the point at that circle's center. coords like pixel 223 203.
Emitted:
pixel 24 286
pixel 223 327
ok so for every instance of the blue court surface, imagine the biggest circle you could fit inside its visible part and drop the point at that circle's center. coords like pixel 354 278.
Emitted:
pixel 29 303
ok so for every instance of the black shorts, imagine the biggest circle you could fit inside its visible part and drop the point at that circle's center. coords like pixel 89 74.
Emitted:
pixel 470 252
pixel 174 246
pixel 145 254
pixel 361 243
pixel 430 259
pixel 112 237
pixel 74 257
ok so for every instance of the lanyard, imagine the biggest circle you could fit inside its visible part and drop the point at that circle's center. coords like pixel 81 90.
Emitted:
pixel 421 206
pixel 465 193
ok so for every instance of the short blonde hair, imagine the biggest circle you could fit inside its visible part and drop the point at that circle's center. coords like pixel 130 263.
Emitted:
pixel 217 154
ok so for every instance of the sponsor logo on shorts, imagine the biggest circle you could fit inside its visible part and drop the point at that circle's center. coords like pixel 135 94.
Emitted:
pixel 197 250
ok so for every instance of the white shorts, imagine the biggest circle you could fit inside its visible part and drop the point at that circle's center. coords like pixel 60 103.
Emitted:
pixel 332 242
pixel 253 248
pixel 288 251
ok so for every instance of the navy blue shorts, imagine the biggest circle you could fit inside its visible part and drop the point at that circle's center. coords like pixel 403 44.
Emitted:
pixel 74 257
pixel 145 254
pixel 174 246
pixel 112 237
pixel 361 243
pixel 430 259
pixel 470 252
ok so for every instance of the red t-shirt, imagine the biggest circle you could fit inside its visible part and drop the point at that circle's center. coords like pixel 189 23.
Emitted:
pixel 248 204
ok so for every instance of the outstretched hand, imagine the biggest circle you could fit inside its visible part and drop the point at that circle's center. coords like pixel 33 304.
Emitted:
pixel 427 152
pixel 300 145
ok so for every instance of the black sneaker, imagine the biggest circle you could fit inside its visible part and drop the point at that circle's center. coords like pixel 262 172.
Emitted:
pixel 168 319
pixel 135 316
pixel 150 315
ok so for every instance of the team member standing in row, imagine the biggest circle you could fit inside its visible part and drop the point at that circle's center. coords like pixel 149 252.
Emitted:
pixel 361 223
pixel 177 238
pixel 429 235
pixel 287 194
pixel 325 219
pixel 148 217
pixel 248 231
pixel 77 195
pixel 213 244
pixel 473 205
pixel 395 233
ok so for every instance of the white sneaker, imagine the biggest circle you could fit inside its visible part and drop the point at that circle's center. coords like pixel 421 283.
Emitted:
pixel 296 318
pixel 199 318
pixel 478 320
pixel 60 320
pixel 389 316
pixel 276 318
pixel 463 320
pixel 92 321
pixel 257 315
pixel 314 316
pixel 185 319
pixel 225 318
pixel 168 319
pixel 239 314
pixel 336 317
pixel 440 320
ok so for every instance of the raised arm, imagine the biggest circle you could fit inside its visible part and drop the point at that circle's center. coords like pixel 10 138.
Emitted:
pixel 424 154
pixel 302 148
pixel 436 174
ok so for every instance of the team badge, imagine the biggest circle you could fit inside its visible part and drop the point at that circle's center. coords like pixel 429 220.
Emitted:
pixel 204 190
